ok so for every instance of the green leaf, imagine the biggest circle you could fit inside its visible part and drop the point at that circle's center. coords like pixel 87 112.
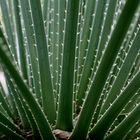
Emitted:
pixel 20 37
pixel 91 49
pixel 8 27
pixel 9 132
pixel 106 63
pixel 126 125
pixel 62 23
pixel 4 103
pixel 31 48
pixel 8 123
pixel 39 116
pixel 64 120
pixel 108 118
pixel 123 73
pixel 43 58
pixel 18 102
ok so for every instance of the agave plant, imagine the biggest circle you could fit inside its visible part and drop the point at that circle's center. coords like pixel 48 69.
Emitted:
pixel 72 69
